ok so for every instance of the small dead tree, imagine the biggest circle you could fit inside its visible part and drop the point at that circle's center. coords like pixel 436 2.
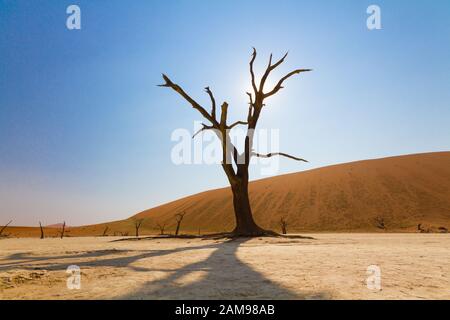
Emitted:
pixel 422 230
pixel 161 228
pixel 443 229
pixel 4 227
pixel 63 229
pixel 234 163
pixel 105 232
pixel 283 225
pixel 137 225
pixel 42 230
pixel 380 223
pixel 179 217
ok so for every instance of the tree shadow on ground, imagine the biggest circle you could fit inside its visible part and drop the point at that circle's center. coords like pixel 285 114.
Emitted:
pixel 222 275
pixel 53 263
pixel 25 260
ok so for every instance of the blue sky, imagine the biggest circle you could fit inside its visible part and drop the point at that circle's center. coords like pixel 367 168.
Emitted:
pixel 85 132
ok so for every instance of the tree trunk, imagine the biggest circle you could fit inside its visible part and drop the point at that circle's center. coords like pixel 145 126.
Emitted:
pixel 245 225
pixel 4 227
pixel 178 228
pixel 63 229
pixel 42 230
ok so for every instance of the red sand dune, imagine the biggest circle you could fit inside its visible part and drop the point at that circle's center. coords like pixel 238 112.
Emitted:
pixel 403 191
pixel 56 225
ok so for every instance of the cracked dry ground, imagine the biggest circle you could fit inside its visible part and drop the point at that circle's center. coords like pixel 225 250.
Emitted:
pixel 331 266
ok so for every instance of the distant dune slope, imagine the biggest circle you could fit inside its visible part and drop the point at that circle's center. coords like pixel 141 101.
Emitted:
pixel 403 191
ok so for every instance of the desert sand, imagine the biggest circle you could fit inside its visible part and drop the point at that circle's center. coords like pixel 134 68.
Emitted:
pixel 330 266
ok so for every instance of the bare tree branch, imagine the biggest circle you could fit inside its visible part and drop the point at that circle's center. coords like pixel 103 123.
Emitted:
pixel 222 126
pixel 4 227
pixel 280 83
pixel 237 123
pixel 252 72
pixel 269 69
pixel 226 142
pixel 250 107
pixel 279 61
pixel 213 102
pixel 277 154
pixel 205 127
pixel 251 97
pixel 193 103
pixel 223 116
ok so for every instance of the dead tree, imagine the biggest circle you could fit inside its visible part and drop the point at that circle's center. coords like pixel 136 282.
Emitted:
pixel 380 223
pixel 4 227
pixel 283 225
pixel 422 230
pixel 42 230
pixel 137 225
pixel 234 163
pixel 443 229
pixel 161 228
pixel 105 231
pixel 179 217
pixel 63 229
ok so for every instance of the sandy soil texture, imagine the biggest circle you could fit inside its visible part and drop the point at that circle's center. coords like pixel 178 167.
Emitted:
pixel 332 266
